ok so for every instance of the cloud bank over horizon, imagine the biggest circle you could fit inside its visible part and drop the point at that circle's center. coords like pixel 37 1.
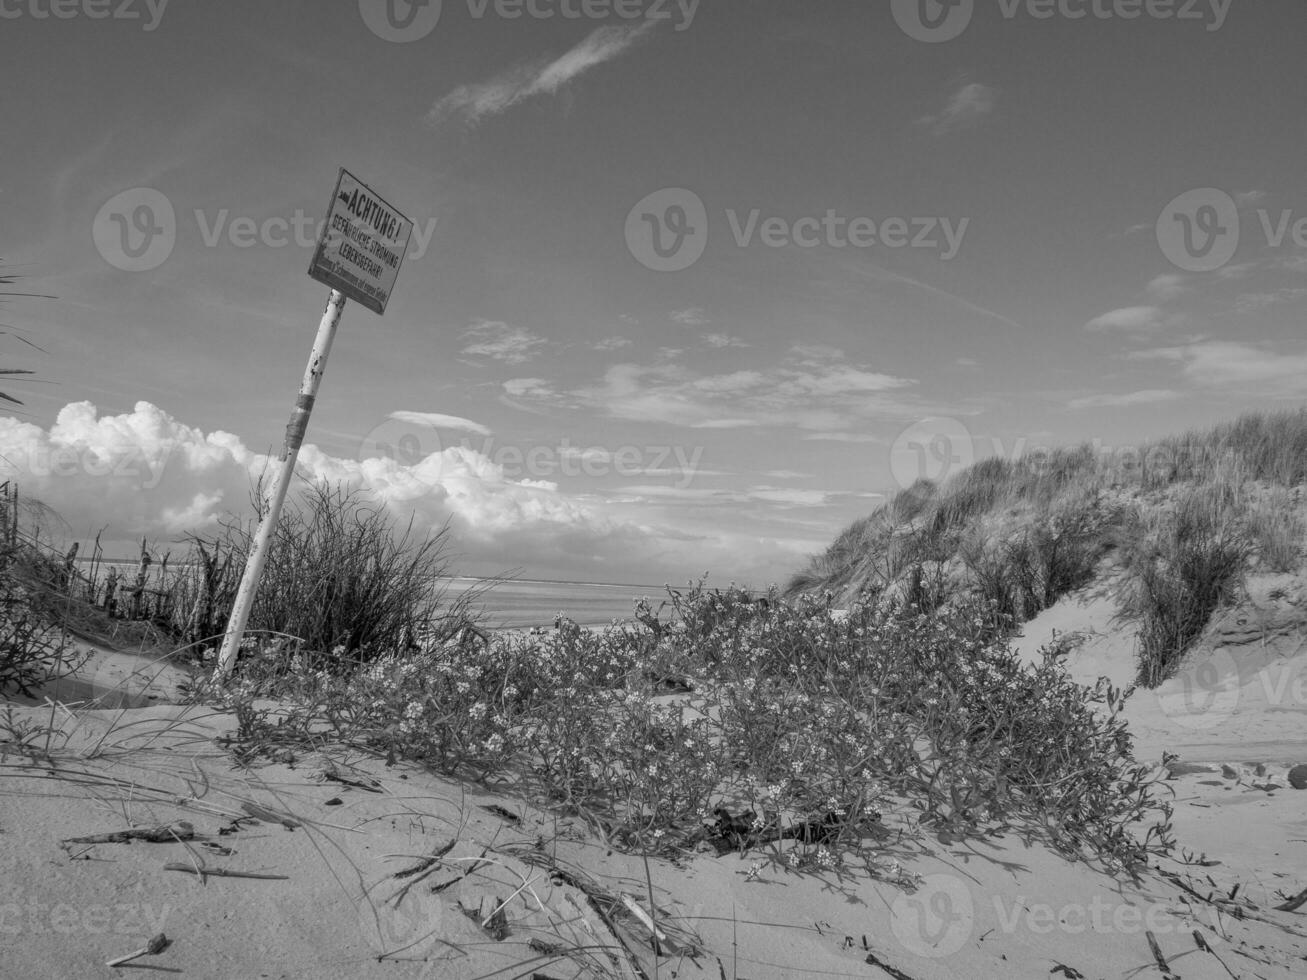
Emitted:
pixel 145 473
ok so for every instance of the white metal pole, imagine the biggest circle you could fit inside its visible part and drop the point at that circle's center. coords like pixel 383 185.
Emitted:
pixel 299 421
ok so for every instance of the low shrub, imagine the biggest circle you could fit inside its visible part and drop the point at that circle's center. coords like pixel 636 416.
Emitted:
pixel 814 724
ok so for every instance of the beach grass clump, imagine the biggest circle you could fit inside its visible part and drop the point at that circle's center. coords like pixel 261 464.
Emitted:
pixel 33 648
pixel 1185 563
pixel 340 579
pixel 784 728
pixel 1277 531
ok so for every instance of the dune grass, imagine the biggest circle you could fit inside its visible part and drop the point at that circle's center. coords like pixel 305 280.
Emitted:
pixel 1184 517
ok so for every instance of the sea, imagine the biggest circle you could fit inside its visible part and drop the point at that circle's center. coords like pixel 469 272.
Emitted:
pixel 522 603
pixel 510 603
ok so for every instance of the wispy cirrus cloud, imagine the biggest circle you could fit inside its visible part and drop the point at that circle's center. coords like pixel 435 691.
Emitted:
pixel 437 421
pixel 814 389
pixel 1130 319
pixel 1256 302
pixel 1148 396
pixel 1167 287
pixel 1232 365
pixel 476 101
pixel 965 107
pixel 721 340
pixel 695 316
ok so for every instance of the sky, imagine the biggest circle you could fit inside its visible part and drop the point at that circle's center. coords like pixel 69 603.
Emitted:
pixel 691 286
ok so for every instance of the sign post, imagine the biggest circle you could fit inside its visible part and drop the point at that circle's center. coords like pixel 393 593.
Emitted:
pixel 359 253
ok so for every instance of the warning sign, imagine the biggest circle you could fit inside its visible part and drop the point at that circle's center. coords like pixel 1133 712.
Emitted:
pixel 362 245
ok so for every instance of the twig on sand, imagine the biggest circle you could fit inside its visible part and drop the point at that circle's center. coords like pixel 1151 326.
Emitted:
pixel 893 971
pixel 423 869
pixel 163 834
pixel 1157 955
pixel 154 947
pixel 1206 948
pixel 204 872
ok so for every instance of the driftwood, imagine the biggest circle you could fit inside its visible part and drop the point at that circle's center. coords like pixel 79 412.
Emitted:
pixel 163 834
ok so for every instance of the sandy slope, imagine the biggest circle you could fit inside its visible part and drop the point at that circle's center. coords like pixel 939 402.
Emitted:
pixel 995 908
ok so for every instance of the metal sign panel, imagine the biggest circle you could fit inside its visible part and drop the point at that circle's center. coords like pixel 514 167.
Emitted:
pixel 362 245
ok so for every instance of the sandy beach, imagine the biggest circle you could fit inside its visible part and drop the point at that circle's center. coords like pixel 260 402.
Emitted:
pixel 370 870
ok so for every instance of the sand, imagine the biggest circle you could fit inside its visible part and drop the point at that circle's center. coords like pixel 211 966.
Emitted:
pixel 996 908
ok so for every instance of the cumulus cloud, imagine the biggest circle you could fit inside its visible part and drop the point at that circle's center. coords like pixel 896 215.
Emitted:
pixel 965 107
pixel 475 102
pixel 502 342
pixel 611 343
